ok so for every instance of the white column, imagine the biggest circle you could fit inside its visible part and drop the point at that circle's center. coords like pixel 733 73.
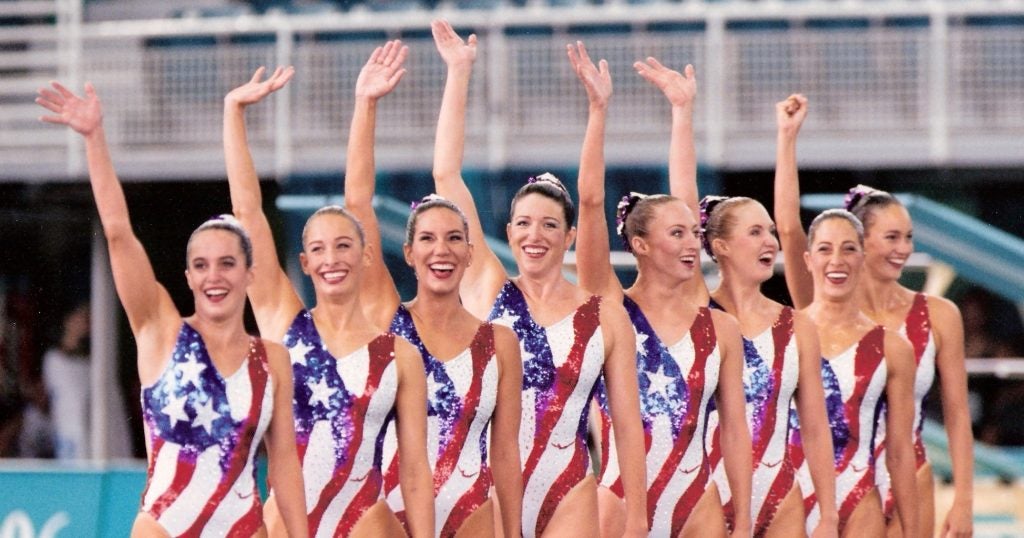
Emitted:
pixel 103 335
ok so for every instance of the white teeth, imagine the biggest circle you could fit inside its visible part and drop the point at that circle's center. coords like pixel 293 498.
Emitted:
pixel 334 274
pixel 442 266
pixel 898 261
pixel 688 259
pixel 216 293
pixel 837 275
pixel 534 250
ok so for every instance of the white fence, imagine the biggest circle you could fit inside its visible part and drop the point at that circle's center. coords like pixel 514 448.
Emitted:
pixel 890 84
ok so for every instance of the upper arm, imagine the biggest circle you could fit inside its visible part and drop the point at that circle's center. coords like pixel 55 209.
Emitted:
pixel 146 302
pixel 282 427
pixel 948 329
pixel 272 295
pixel 899 357
pixel 377 291
pixel 593 254
pixel 411 398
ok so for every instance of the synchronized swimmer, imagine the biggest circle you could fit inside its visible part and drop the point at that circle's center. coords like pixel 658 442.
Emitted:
pixel 475 408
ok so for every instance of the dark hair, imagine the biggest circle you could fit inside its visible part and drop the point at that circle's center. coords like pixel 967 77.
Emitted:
pixel 634 213
pixel 334 210
pixel 549 186
pixel 862 201
pixel 716 218
pixel 830 214
pixel 428 202
pixel 227 223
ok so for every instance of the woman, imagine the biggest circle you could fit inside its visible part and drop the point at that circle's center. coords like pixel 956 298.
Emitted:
pixel 685 354
pixel 200 442
pixel 780 345
pixel 567 339
pixel 864 362
pixel 350 377
pixel 932 324
pixel 473 367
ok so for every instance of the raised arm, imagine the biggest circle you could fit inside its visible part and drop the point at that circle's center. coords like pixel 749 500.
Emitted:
pixel 378 77
pixel 949 330
pixel 814 427
pixel 789 116
pixel 681 91
pixel 274 300
pixel 145 301
pixel 593 262
pixel 484 278
pixel 899 451
pixel 624 405
pixel 731 403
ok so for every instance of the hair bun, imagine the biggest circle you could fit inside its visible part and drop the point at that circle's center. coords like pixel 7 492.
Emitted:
pixel 855 195
pixel 548 177
pixel 625 206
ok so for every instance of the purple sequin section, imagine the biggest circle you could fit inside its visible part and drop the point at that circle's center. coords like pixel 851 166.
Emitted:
pixel 663 389
pixel 835 410
pixel 320 393
pixel 188 405
pixel 443 403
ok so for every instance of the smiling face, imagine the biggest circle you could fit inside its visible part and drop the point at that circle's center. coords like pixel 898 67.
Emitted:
pixel 670 243
pixel 835 258
pixel 217 274
pixel 439 251
pixel 538 234
pixel 333 254
pixel 750 245
pixel 888 241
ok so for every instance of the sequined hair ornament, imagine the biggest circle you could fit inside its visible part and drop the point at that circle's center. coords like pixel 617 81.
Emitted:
pixel 428 198
pixel 856 195
pixel 707 207
pixel 622 211
pixel 548 177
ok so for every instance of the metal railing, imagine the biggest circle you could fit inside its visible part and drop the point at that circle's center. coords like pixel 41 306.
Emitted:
pixel 890 83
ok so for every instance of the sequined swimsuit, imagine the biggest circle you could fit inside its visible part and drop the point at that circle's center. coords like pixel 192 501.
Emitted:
pixel 918 330
pixel 342 406
pixel 202 431
pixel 561 365
pixel 676 385
pixel 461 397
pixel 770 374
pixel 856 378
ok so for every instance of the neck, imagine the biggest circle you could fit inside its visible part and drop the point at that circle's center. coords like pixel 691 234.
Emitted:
pixel 339 314
pixel 217 331
pixel 876 295
pixel 738 295
pixel 438 310
pixel 654 290
pixel 542 286
pixel 828 311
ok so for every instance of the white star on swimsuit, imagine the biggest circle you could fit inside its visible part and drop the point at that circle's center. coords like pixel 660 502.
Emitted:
pixel 658 381
pixel 641 338
pixel 205 415
pixel 322 392
pixel 299 351
pixel 175 409
pixel 190 370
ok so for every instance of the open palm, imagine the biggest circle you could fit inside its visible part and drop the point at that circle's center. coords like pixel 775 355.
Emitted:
pixel 82 115
pixel 382 71
pixel 454 51
pixel 255 90
pixel 680 89
pixel 595 78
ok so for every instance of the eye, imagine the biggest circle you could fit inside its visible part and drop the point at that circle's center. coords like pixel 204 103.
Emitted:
pixel 342 245
pixel 455 237
pixel 425 237
pixel 316 249
pixel 198 265
pixel 521 222
pixel 550 225
pixel 229 262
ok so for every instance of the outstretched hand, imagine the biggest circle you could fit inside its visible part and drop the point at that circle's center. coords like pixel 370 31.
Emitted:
pixel 382 71
pixel 595 78
pixel 82 115
pixel 454 51
pixel 679 88
pixel 790 114
pixel 255 90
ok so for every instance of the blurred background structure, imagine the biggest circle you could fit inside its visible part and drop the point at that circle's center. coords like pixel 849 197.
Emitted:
pixel 913 96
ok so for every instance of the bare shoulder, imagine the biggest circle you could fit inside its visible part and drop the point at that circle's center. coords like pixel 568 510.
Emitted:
pixel 802 322
pixel 277 357
pixel 725 323
pixel 942 311
pixel 405 352
pixel 505 339
pixel 897 346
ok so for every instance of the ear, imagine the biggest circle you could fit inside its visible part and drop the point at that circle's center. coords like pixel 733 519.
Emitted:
pixel 508 231
pixel 304 263
pixel 638 245
pixel 367 258
pixel 570 238
pixel 407 251
pixel 720 247
pixel 469 255
pixel 250 277
pixel 807 261
pixel 188 279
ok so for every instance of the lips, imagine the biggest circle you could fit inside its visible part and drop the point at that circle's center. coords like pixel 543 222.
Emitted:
pixel 766 258
pixel 689 260
pixel 837 277
pixel 216 295
pixel 534 251
pixel 334 277
pixel 442 269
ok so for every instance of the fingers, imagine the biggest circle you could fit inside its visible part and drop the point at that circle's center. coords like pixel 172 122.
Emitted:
pixel 64 92
pixel 391 49
pixel 50 96
pixel 583 52
pixel 48 105
pixel 90 91
pixel 655 64
pixel 56 120
pixel 603 67
pixel 403 53
pixel 375 55
pixel 689 71
pixel 281 77
pixel 471 41
pixel 396 77
pixel 258 74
